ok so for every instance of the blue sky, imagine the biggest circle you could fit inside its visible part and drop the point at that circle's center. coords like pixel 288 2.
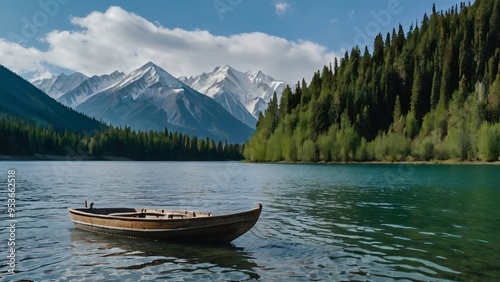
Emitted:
pixel 288 39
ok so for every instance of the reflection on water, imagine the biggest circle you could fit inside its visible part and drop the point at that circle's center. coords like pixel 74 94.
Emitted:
pixel 319 222
pixel 160 259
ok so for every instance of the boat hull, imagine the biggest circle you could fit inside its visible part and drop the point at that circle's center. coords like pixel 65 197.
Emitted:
pixel 186 228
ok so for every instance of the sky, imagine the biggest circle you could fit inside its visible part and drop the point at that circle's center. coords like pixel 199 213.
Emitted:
pixel 287 39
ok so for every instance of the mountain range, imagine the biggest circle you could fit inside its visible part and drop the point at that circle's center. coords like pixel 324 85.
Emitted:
pixel 244 95
pixel 151 98
pixel 57 85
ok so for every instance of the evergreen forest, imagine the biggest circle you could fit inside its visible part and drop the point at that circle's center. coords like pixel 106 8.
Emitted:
pixel 431 92
pixel 21 138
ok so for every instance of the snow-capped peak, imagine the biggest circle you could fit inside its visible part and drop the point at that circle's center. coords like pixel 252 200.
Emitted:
pixel 258 76
pixel 149 74
pixel 223 68
pixel 57 85
pixel 88 88
pixel 253 89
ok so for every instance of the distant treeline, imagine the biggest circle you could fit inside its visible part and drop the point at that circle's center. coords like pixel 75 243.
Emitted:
pixel 20 138
pixel 430 93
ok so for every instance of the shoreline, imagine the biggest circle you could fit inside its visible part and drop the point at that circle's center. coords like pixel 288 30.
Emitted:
pixel 431 162
pixel 39 157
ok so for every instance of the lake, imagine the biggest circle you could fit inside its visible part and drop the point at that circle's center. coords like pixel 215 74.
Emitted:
pixel 328 222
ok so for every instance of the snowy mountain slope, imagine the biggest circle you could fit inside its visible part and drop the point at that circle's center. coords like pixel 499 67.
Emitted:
pixel 234 89
pixel 89 87
pixel 57 85
pixel 151 98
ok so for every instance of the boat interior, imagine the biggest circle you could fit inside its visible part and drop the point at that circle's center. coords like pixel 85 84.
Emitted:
pixel 145 213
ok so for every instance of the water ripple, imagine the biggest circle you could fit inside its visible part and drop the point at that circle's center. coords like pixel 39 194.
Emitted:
pixel 319 223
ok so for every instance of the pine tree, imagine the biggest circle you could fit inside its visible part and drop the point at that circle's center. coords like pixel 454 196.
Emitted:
pixel 416 93
pixel 494 100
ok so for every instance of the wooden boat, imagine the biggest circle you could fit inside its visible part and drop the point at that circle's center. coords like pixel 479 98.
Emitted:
pixel 166 225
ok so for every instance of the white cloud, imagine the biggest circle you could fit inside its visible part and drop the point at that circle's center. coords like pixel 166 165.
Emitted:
pixel 20 58
pixel 119 40
pixel 281 7
pixel 334 21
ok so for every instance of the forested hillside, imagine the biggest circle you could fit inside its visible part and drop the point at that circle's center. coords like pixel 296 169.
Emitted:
pixel 20 98
pixel 20 138
pixel 431 92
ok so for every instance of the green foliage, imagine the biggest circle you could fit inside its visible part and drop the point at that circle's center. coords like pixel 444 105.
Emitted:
pixel 309 151
pixel 448 148
pixel 325 143
pixel 389 147
pixel 411 125
pixel 426 150
pixel 494 99
pixel 422 95
pixel 274 148
pixel 362 151
pixel 347 138
pixel 489 142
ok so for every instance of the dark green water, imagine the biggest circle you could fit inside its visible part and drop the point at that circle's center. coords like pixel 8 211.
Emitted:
pixel 319 223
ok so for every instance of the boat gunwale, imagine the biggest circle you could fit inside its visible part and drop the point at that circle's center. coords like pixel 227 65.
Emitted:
pixel 211 217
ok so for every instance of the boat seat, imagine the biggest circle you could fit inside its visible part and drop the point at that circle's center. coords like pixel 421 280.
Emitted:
pixel 138 214
pixel 176 215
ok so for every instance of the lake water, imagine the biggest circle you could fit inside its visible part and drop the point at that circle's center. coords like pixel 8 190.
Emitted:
pixel 319 222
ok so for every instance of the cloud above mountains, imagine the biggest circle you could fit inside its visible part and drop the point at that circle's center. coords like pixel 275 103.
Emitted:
pixel 281 7
pixel 120 40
